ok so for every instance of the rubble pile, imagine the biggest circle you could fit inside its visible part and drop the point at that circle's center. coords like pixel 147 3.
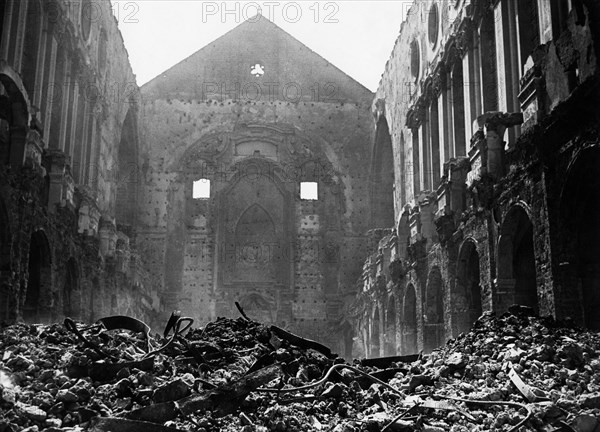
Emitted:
pixel 514 372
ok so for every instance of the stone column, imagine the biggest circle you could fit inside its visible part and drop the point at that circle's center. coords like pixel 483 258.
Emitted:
pixel 46 117
pixel 467 53
pixel 424 170
pixel 444 139
pixel 62 188
pixel 6 25
pixel 495 126
pixel 108 238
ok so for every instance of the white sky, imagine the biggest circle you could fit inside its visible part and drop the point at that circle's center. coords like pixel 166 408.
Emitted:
pixel 356 36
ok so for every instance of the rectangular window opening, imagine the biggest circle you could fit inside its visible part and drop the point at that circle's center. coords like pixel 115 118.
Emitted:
pixel 201 189
pixel 309 191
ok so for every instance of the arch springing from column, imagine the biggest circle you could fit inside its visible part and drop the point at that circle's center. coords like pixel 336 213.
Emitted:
pixel 580 242
pixel 516 261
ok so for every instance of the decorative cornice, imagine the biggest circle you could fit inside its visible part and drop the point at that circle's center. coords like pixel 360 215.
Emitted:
pixel 464 37
pixel 439 79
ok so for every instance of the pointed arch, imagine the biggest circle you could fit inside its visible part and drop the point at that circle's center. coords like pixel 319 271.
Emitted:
pixel 127 172
pixel 382 178
pixel 255 233
pixel 403 233
pixel 32 47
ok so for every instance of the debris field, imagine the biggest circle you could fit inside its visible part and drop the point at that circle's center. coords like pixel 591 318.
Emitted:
pixel 517 372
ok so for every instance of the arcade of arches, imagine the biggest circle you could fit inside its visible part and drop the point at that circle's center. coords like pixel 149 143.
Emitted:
pixel 494 188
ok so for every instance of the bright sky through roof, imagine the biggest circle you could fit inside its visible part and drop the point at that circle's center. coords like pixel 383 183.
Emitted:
pixel 356 36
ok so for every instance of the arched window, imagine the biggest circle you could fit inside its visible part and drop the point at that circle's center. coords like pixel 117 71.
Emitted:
pixel 458 108
pixel 87 12
pixel 487 33
pixel 434 144
pixel 31 48
pixel 382 178
pixel 127 172
pixel 529 29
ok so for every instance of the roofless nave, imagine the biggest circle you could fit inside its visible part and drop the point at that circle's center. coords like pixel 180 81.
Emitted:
pixel 378 223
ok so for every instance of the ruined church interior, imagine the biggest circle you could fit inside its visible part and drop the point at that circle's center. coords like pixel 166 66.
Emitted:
pixel 442 227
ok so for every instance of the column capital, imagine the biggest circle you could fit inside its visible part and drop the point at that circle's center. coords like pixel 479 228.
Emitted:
pixel 495 120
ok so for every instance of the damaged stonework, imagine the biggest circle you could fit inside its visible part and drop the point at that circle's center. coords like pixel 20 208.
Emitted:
pixel 501 128
pixel 224 215
pixel 63 125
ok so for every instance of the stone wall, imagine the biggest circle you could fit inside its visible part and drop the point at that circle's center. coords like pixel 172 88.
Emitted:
pixel 194 248
pixel 67 88
pixel 499 204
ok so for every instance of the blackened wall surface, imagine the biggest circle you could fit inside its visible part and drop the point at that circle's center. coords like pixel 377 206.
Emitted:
pixel 494 135
pixel 66 90
pixel 256 137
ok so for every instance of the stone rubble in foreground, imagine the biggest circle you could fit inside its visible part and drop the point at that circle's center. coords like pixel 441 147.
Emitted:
pixel 210 378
